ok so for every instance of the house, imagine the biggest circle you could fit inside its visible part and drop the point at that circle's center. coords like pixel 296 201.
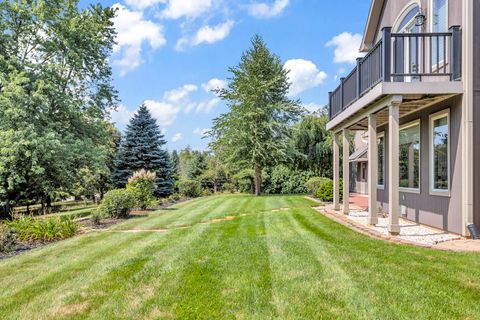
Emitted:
pixel 415 95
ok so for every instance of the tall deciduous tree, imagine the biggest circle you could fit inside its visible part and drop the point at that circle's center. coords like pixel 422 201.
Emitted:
pixel 312 144
pixel 55 92
pixel 142 149
pixel 255 132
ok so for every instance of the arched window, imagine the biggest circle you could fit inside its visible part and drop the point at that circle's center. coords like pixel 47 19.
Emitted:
pixel 407 23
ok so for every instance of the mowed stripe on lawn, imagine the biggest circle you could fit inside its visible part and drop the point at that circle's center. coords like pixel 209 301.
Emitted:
pixel 277 258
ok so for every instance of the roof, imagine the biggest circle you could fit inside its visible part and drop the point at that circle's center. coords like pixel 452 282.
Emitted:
pixel 374 17
pixel 360 155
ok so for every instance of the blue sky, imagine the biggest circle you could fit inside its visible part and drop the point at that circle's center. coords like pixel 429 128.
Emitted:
pixel 171 53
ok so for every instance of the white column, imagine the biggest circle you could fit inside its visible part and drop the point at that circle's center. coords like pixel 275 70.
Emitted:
pixel 393 168
pixel 372 170
pixel 346 171
pixel 336 173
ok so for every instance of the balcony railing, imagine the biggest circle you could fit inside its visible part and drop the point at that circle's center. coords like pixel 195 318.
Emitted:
pixel 401 57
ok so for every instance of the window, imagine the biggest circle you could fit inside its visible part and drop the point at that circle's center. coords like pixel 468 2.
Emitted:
pixel 440 152
pixel 409 161
pixel 409 19
pixel 381 159
pixel 439 24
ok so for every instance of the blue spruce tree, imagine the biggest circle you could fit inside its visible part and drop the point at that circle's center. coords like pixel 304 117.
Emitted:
pixel 141 148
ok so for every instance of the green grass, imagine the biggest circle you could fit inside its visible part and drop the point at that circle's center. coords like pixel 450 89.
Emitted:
pixel 263 264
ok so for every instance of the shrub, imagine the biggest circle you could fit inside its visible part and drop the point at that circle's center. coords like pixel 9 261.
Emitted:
pixel 46 229
pixel 96 217
pixel 8 239
pixel 228 187
pixel 284 180
pixel 190 188
pixel 325 193
pixel 174 197
pixel 142 186
pixel 117 204
pixel 245 181
pixel 315 183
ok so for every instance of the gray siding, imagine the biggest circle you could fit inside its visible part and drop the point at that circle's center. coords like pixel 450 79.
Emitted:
pixel 437 211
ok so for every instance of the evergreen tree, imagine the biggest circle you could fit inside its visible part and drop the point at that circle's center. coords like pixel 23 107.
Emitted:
pixel 175 160
pixel 142 149
pixel 255 132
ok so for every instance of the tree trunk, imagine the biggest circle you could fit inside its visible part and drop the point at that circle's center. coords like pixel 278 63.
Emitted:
pixel 258 180
pixel 49 202
pixel 215 188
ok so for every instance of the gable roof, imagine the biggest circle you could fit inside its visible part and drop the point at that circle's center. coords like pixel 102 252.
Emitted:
pixel 359 155
pixel 373 21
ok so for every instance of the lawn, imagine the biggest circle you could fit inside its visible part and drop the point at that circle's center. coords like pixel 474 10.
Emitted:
pixel 242 257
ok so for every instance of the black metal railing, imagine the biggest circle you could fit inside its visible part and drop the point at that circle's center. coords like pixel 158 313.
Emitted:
pixel 401 57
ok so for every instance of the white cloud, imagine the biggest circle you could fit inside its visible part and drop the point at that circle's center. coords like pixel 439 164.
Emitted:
pixel 186 8
pixel 122 115
pixel 180 94
pixel 346 47
pixel 134 32
pixel 312 107
pixel 164 112
pixel 264 10
pixel 201 132
pixel 206 34
pixel 303 75
pixel 177 137
pixel 214 84
pixel 207 106
pixel 143 4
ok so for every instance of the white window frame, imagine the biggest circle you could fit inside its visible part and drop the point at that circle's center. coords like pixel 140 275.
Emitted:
pixel 381 135
pixel 441 63
pixel 408 125
pixel 441 114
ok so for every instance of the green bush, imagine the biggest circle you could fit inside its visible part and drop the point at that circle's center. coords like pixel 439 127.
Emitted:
pixel 142 186
pixel 47 229
pixel 283 180
pixel 190 188
pixel 315 183
pixel 325 193
pixel 8 239
pixel 117 204
pixel 228 187
pixel 245 181
pixel 96 217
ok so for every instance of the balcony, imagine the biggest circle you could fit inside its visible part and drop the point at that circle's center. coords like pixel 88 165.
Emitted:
pixel 412 58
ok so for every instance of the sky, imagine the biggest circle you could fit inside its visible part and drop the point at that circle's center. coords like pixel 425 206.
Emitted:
pixel 170 54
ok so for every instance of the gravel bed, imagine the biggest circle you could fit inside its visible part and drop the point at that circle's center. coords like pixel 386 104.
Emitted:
pixel 409 230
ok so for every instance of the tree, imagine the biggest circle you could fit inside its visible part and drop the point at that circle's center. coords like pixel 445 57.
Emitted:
pixel 142 149
pixel 255 132
pixel 55 92
pixel 313 144
pixel 175 160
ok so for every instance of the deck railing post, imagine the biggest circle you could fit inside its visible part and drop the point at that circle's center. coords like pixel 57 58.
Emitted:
pixel 330 104
pixel 456 53
pixel 386 54
pixel 342 80
pixel 359 77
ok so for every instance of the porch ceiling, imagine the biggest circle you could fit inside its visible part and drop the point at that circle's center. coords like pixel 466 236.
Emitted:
pixel 410 104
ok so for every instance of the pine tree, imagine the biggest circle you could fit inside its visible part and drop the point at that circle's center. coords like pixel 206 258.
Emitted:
pixel 142 149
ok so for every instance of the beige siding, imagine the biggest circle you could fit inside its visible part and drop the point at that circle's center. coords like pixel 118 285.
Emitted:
pixel 394 8
pixel 476 114
pixel 436 211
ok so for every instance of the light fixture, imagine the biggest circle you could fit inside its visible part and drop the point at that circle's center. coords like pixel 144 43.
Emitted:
pixel 420 18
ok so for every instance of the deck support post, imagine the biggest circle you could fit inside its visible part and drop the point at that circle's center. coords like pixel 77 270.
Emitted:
pixel 336 173
pixel 346 171
pixel 393 166
pixel 372 169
